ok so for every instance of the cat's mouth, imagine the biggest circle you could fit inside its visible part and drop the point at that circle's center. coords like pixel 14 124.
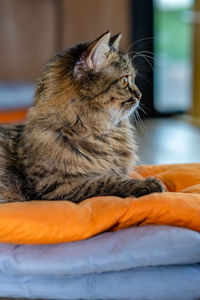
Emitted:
pixel 127 104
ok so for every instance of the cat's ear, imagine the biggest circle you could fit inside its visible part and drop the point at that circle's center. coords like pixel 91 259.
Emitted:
pixel 95 56
pixel 98 51
pixel 115 40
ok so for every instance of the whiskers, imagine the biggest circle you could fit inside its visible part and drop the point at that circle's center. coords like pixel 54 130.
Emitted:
pixel 117 116
pixel 148 56
pixel 138 120
pixel 149 59
pixel 144 40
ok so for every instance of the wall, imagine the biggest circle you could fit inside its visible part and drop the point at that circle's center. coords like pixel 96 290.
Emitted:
pixel 31 31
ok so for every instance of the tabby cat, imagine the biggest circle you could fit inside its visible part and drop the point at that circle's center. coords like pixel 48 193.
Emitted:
pixel 77 141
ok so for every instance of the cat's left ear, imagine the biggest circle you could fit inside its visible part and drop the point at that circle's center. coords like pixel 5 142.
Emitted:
pixel 115 40
pixel 98 52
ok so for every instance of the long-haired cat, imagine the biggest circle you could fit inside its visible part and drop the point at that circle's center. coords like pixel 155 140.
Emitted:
pixel 77 141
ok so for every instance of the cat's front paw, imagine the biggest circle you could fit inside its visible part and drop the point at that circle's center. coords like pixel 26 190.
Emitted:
pixel 154 185
pixel 148 186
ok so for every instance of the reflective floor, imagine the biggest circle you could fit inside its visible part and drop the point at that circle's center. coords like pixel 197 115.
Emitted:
pixel 165 141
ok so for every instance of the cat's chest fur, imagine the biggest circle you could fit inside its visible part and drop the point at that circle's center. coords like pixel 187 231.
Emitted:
pixel 79 154
pixel 113 151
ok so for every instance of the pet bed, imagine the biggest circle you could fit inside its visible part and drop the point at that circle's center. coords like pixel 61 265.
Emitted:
pixel 141 262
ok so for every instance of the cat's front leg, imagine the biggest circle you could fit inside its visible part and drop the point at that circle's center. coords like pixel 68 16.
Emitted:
pixel 113 185
pixel 102 185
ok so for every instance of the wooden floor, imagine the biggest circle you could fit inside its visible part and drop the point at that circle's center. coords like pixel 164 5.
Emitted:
pixel 168 140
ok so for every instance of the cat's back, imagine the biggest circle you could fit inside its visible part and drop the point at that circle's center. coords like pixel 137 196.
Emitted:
pixel 8 131
pixel 10 136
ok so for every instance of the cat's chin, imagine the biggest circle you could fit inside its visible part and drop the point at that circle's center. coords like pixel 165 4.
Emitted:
pixel 130 111
pixel 123 115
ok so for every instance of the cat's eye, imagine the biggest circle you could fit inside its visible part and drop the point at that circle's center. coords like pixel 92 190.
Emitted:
pixel 124 81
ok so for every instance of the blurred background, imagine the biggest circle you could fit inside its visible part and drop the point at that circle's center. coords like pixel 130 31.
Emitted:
pixel 163 37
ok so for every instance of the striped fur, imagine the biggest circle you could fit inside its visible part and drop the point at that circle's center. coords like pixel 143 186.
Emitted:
pixel 77 141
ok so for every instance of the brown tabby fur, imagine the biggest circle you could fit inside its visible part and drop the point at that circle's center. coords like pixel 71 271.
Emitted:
pixel 77 141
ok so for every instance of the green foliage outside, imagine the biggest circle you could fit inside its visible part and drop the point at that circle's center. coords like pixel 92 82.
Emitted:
pixel 173 35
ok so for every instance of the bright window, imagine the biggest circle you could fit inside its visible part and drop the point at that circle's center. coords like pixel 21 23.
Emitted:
pixel 173 55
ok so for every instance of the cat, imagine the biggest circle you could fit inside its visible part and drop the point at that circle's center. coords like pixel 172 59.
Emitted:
pixel 77 141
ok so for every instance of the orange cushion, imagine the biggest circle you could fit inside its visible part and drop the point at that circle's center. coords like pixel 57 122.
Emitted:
pixel 14 116
pixel 45 222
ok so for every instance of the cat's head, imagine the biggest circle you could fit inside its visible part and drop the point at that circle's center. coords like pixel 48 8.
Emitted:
pixel 95 76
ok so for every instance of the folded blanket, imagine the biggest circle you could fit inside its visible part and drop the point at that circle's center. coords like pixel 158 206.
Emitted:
pixel 124 249
pixel 159 283
pixel 151 262
pixel 45 222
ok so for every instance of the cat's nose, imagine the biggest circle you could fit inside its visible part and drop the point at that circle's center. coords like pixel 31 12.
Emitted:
pixel 137 94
